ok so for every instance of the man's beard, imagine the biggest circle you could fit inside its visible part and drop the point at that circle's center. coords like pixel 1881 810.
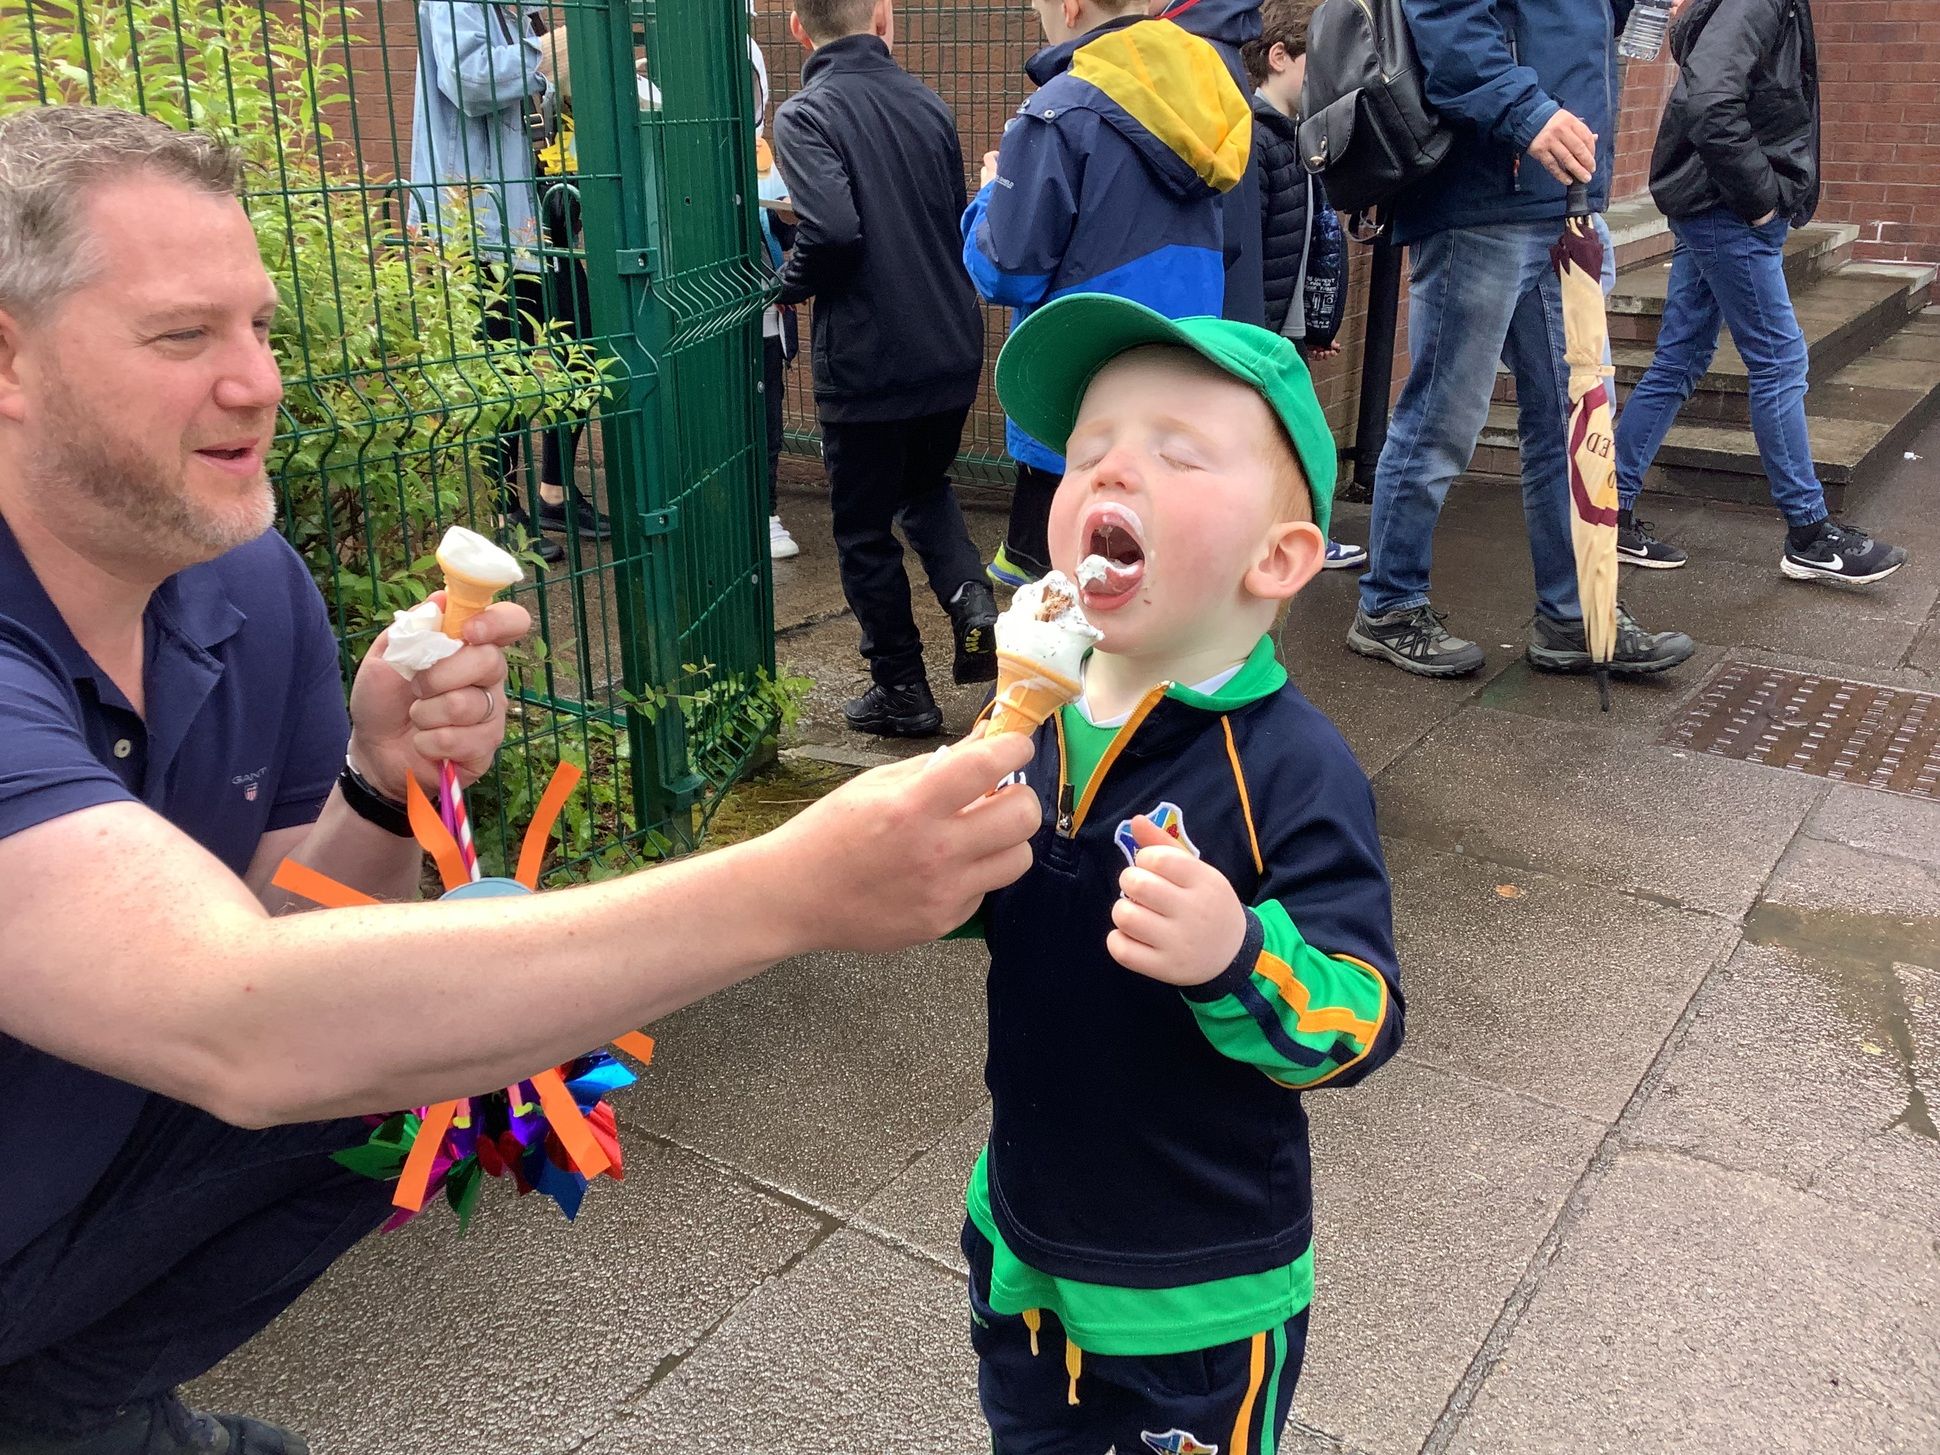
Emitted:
pixel 144 505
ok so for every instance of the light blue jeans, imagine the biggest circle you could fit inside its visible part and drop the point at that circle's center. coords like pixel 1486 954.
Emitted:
pixel 1725 271
pixel 1477 295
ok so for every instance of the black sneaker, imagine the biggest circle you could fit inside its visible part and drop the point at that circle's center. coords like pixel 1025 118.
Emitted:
pixel 1829 550
pixel 973 615
pixel 163 1426
pixel 517 523
pixel 1558 646
pixel 1415 641
pixel 591 525
pixel 904 711
pixel 1636 545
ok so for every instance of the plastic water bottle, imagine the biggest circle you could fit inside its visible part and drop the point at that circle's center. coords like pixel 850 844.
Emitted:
pixel 1643 35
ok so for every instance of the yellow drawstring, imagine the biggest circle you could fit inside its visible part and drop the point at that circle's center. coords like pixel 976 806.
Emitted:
pixel 1073 1360
pixel 1033 1318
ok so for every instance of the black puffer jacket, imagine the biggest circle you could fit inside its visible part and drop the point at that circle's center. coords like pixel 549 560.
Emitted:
pixel 1742 127
pixel 875 172
pixel 1283 210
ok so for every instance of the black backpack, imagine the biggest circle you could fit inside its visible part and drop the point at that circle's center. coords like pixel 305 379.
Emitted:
pixel 1369 130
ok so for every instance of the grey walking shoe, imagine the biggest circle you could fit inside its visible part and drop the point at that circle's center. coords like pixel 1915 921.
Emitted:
pixel 1558 646
pixel 162 1426
pixel 1415 640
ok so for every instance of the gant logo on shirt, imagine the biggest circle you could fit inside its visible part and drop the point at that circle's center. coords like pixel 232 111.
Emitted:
pixel 250 783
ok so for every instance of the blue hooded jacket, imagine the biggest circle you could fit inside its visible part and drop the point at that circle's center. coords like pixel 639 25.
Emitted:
pixel 1497 70
pixel 1108 181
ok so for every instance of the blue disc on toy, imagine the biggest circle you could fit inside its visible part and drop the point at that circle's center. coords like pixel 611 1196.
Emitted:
pixel 494 887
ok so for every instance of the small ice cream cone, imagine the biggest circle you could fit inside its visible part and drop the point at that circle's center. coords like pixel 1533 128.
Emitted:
pixel 1028 692
pixel 475 571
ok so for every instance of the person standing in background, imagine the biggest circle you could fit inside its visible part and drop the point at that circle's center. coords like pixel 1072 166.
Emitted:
pixel 1735 168
pixel 1303 258
pixel 875 172
pixel 1229 25
pixel 1107 180
pixel 778 334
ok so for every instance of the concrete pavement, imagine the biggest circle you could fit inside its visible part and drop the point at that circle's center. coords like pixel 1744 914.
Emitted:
pixel 1657 1169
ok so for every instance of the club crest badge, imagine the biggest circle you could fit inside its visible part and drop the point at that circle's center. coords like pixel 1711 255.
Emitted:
pixel 1176 1442
pixel 1170 818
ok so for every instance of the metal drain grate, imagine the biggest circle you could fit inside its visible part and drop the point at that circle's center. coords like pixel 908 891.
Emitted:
pixel 1853 732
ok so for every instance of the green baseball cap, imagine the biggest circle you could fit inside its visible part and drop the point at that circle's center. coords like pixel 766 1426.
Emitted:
pixel 1051 358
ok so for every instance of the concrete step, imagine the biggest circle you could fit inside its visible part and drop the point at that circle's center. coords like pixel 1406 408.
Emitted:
pixel 1636 304
pixel 1858 417
pixel 1842 314
pixel 1638 232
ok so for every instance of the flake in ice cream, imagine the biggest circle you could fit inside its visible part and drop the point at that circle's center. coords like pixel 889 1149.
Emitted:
pixel 1042 639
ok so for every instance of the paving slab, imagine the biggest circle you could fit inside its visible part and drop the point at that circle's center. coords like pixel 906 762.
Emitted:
pixel 1564 798
pixel 1703 1310
pixel 858 1348
pixel 828 1075
pixel 526 1335
pixel 1431 1193
pixel 1640 707
pixel 1811 1066
pixel 1556 989
pixel 1817 875
pixel 1879 823
pixel 923 1207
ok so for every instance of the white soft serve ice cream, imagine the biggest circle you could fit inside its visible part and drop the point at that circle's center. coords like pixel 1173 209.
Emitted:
pixel 467 553
pixel 1045 624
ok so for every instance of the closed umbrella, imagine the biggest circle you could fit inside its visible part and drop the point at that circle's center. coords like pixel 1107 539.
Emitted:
pixel 1578 260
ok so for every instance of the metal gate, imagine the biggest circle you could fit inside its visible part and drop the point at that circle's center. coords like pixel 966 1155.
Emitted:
pixel 598 293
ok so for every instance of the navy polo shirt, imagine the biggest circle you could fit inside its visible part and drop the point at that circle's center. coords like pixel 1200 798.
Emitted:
pixel 244 733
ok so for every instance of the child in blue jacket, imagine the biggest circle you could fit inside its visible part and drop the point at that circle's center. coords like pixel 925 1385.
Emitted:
pixel 1107 180
pixel 1206 932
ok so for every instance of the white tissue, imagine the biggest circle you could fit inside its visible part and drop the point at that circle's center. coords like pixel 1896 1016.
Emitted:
pixel 418 640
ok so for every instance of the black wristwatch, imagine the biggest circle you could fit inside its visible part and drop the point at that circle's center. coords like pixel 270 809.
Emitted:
pixel 370 805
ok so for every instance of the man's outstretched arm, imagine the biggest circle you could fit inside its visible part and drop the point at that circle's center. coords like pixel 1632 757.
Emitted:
pixel 133 951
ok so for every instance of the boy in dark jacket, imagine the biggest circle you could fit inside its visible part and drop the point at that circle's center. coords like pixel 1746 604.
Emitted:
pixel 1736 167
pixel 1108 180
pixel 1530 93
pixel 1205 933
pixel 875 176
pixel 1303 257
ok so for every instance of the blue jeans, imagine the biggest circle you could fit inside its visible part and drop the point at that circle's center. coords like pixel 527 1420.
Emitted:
pixel 1727 271
pixel 1478 294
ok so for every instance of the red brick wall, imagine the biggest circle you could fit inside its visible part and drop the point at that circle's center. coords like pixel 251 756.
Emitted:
pixel 1646 87
pixel 1880 90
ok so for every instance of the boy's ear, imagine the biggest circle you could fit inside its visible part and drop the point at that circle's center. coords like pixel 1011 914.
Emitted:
pixel 1290 558
pixel 1277 58
pixel 795 29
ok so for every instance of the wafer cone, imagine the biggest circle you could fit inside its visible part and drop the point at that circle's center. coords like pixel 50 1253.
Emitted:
pixel 464 599
pixel 1028 692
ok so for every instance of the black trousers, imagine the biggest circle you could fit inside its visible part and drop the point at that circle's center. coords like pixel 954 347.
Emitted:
pixel 194 1239
pixel 772 385
pixel 897 473
pixel 1027 541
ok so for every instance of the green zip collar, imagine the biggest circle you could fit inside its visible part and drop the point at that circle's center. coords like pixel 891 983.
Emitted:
pixel 1261 675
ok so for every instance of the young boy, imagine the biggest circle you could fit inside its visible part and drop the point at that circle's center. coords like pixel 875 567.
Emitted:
pixel 1140 1226
pixel 1108 179
pixel 1303 256
pixel 875 174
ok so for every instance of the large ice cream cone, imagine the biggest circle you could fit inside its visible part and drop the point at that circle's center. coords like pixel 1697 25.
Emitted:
pixel 1028 692
pixel 475 571
pixel 1042 638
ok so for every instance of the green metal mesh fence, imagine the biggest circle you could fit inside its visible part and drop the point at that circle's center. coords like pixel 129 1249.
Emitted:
pixel 467 317
pixel 973 57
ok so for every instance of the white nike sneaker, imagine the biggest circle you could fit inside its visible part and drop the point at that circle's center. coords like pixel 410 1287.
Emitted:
pixel 781 545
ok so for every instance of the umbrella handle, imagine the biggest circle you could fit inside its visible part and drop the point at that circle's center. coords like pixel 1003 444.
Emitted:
pixel 1577 200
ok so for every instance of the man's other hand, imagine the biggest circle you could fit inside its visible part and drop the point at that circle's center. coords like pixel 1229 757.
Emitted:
pixel 1566 148
pixel 906 853
pixel 989 168
pixel 454 710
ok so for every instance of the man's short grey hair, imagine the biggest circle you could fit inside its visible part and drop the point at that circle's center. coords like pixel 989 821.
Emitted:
pixel 50 159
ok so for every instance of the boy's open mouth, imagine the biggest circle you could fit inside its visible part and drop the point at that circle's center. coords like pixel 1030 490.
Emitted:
pixel 1115 536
